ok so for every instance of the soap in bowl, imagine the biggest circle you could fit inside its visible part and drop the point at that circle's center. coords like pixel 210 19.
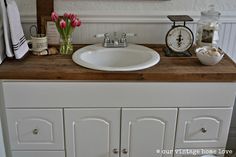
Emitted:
pixel 209 56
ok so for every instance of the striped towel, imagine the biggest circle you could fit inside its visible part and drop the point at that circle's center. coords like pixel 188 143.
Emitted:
pixel 6 29
pixel 20 46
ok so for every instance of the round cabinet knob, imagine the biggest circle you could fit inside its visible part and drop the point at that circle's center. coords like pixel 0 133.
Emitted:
pixel 203 130
pixel 125 151
pixel 115 151
pixel 35 131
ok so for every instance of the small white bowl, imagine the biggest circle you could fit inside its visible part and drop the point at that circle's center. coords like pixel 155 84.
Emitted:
pixel 206 57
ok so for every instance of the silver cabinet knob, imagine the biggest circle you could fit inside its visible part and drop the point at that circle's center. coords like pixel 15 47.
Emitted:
pixel 125 151
pixel 115 151
pixel 203 130
pixel 35 131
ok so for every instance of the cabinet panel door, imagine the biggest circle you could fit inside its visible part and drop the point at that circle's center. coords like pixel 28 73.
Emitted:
pixel 203 127
pixel 36 129
pixel 92 132
pixel 145 131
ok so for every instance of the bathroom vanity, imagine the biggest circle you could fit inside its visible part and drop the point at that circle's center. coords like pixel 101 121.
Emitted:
pixel 55 108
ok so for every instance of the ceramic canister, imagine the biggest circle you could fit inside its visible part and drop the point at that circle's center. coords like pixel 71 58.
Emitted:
pixel 39 42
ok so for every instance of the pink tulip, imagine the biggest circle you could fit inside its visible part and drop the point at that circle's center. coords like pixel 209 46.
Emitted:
pixel 72 17
pixel 74 23
pixel 66 15
pixel 79 23
pixel 69 15
pixel 54 16
pixel 63 24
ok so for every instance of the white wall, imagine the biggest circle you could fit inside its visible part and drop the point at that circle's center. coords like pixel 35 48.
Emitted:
pixel 111 15
pixel 126 6
pixel 147 18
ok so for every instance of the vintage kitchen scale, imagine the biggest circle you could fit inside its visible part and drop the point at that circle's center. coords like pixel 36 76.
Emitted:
pixel 179 38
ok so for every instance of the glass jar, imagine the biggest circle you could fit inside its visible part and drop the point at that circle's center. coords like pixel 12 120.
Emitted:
pixel 66 46
pixel 208 28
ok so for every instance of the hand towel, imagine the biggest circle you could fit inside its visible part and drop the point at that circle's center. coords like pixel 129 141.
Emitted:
pixel 20 46
pixel 6 30
pixel 2 49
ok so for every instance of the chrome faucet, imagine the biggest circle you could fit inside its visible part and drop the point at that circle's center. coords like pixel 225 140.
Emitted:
pixel 112 41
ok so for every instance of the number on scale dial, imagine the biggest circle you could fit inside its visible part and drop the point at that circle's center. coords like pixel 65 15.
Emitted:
pixel 179 39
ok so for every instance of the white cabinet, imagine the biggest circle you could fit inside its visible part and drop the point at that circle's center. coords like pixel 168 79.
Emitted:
pixel 92 132
pixel 116 132
pixel 96 132
pixel 40 129
pixel 115 119
pixel 144 131
pixel 202 128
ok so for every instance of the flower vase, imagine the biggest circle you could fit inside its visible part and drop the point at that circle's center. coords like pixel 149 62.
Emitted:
pixel 66 46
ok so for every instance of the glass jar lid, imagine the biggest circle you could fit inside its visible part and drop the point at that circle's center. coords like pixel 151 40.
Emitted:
pixel 211 12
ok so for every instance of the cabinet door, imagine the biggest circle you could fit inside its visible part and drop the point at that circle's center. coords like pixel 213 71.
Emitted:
pixel 145 132
pixel 92 132
pixel 203 127
pixel 36 129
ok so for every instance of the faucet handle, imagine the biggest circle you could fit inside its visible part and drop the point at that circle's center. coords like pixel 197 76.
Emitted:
pixel 124 36
pixel 99 35
pixel 129 35
pixel 102 35
pixel 106 37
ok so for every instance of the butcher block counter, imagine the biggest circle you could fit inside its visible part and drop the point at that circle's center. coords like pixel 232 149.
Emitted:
pixel 169 69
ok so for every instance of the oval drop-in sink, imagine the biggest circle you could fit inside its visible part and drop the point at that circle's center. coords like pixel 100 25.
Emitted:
pixel 132 58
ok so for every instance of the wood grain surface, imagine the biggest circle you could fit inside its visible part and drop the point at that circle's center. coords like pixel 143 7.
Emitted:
pixel 169 69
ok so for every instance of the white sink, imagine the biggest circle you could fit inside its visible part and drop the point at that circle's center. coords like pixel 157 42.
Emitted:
pixel 131 58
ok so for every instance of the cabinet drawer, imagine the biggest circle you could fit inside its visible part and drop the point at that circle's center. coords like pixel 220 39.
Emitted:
pixel 201 128
pixel 38 154
pixel 36 129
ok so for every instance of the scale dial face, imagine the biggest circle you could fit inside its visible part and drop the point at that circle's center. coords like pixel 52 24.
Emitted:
pixel 179 39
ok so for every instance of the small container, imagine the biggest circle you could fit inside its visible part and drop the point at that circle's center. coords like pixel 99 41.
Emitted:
pixel 208 28
pixel 209 56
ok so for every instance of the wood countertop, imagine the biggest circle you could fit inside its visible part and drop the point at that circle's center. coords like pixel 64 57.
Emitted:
pixel 169 69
